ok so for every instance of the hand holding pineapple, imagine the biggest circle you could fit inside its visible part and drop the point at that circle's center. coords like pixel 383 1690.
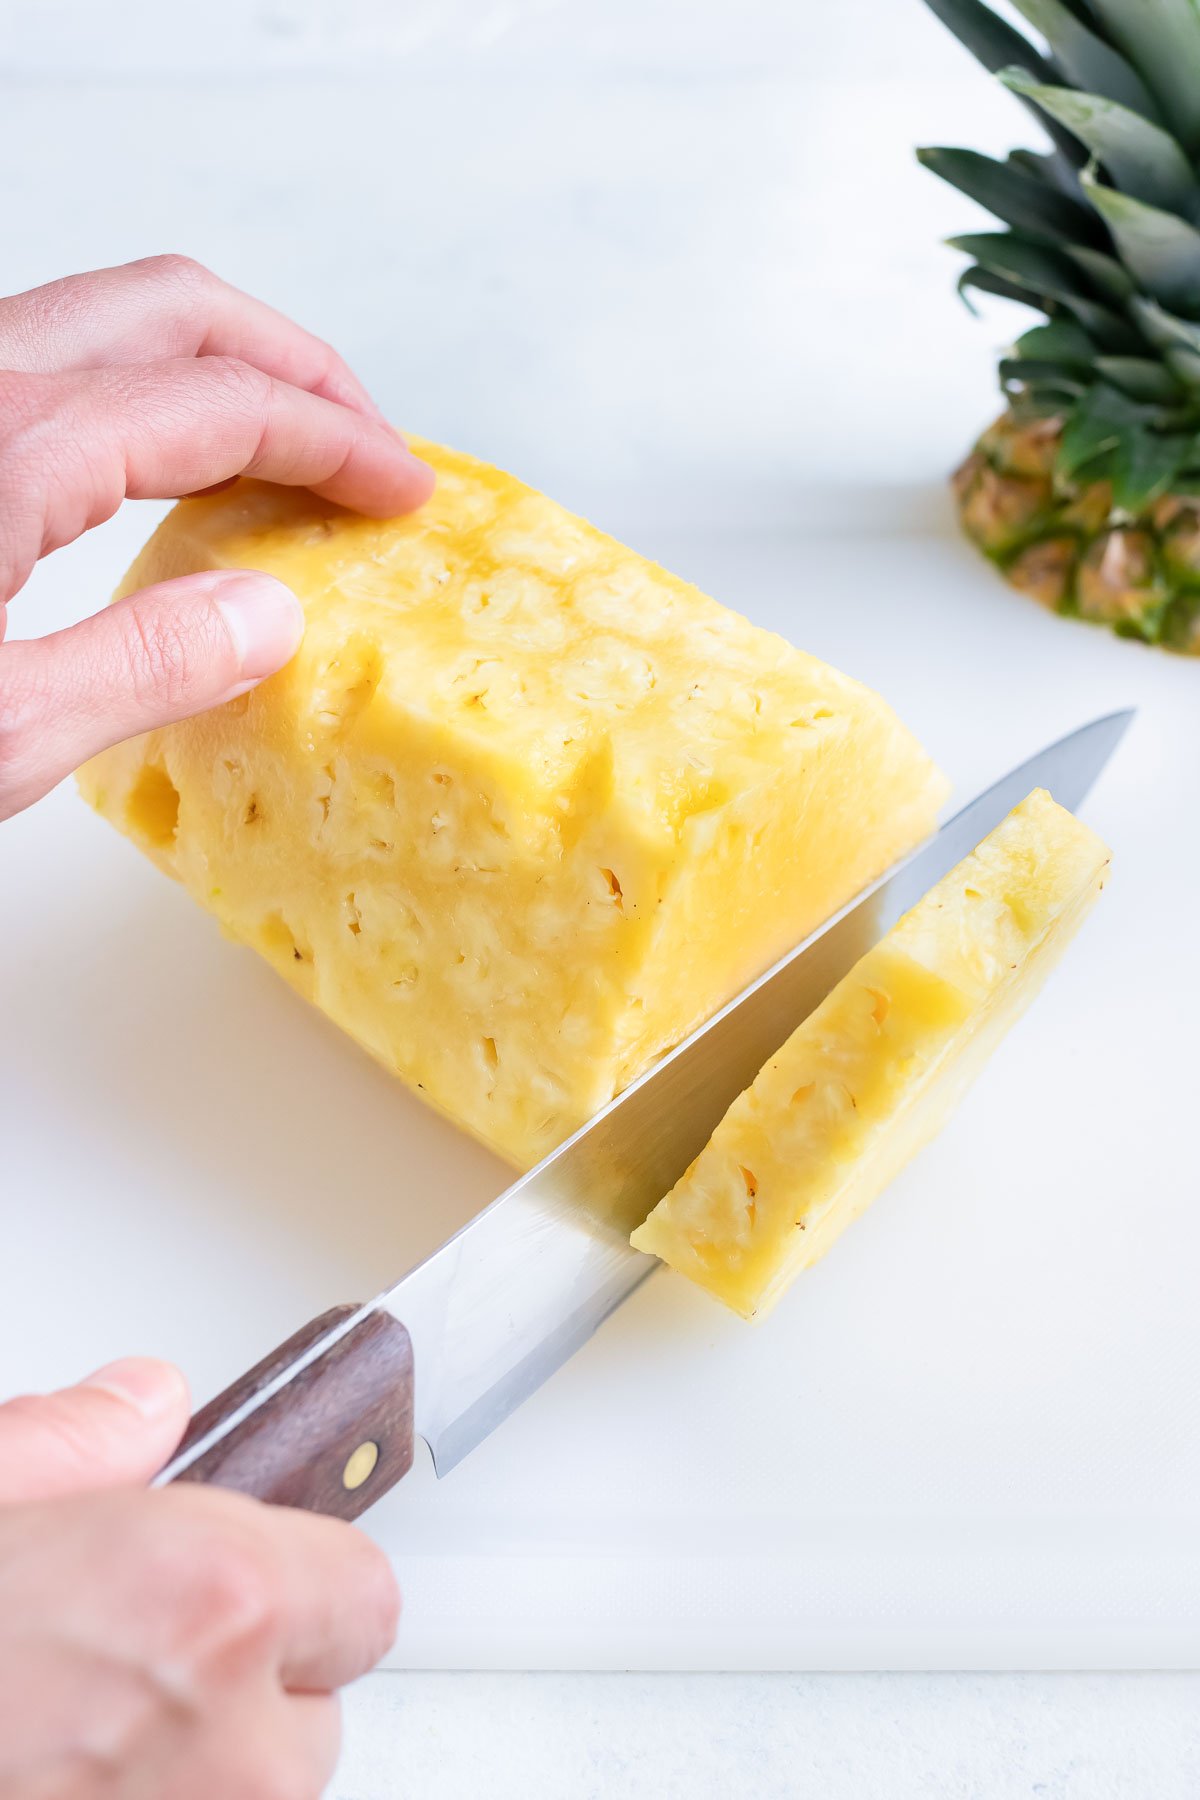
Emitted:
pixel 155 380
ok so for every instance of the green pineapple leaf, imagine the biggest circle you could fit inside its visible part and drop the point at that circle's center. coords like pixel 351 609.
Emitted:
pixel 1105 273
pixel 1085 59
pixel 991 41
pixel 1095 428
pixel 1062 341
pixel 1163 329
pixel 1142 159
pixel 1161 38
pixel 1144 465
pixel 1045 276
pixel 1021 199
pixel 1041 371
pixel 1162 250
pixel 984 281
pixel 1038 266
pixel 1141 378
pixel 997 46
pixel 1185 364
pixel 1049 167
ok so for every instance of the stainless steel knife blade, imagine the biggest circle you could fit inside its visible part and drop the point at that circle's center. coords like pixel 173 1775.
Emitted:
pixel 512 1295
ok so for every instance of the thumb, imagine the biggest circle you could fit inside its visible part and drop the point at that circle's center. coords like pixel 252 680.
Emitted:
pixel 162 654
pixel 117 1427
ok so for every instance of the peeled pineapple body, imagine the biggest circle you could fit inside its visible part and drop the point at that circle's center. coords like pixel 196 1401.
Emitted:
pixel 524 809
pixel 874 1072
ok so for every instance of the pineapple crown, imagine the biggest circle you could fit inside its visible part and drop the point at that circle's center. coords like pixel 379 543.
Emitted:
pixel 1102 231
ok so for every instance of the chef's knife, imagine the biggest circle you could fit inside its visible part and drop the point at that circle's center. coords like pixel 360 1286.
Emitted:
pixel 327 1422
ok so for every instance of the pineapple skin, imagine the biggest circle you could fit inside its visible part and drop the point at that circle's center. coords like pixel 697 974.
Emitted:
pixel 524 809
pixel 1065 545
pixel 874 1072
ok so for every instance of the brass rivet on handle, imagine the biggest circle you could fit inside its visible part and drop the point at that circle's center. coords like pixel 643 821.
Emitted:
pixel 360 1465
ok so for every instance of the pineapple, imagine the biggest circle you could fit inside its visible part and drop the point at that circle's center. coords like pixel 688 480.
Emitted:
pixel 524 809
pixel 1086 491
pixel 874 1072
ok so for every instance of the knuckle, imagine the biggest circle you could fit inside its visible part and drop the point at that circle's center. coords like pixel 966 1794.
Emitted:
pixel 17 398
pixel 54 480
pixel 242 379
pixel 248 393
pixel 331 370
pixel 179 271
pixel 30 434
pixel 223 1595
pixel 240 1591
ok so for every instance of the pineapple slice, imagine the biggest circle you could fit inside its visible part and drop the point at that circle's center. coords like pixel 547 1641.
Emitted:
pixel 874 1072
pixel 524 809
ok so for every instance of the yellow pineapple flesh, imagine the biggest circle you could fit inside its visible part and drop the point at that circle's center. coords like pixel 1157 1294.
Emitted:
pixel 524 809
pixel 874 1072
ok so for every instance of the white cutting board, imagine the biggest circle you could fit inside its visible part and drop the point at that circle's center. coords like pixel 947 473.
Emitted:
pixel 967 1438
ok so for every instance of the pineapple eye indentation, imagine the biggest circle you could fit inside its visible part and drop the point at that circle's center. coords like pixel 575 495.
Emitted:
pixel 614 888
pixel 882 1006
pixel 803 1093
pixel 376 787
pixel 253 812
pixel 152 810
pixel 490 1055
pixel 280 941
pixel 347 684
pixel 750 1179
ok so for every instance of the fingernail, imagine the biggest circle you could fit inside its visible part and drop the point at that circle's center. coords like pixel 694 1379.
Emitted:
pixel 153 1389
pixel 264 619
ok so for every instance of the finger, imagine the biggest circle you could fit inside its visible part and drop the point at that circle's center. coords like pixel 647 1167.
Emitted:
pixel 341 1603
pixel 309 1597
pixel 77 445
pixel 118 1426
pixel 264 1744
pixel 159 655
pixel 166 306
pixel 312 1729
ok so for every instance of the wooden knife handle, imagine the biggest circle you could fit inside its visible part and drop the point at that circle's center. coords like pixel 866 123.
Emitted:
pixel 335 1439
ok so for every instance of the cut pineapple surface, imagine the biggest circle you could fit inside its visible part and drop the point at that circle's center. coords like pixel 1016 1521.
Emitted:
pixel 874 1072
pixel 524 809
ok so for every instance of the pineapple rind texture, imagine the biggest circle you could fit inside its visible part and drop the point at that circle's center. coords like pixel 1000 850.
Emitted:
pixel 1064 543
pixel 524 809
pixel 1098 233
pixel 873 1073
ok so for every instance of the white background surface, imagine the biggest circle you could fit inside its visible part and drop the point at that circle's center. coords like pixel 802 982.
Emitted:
pixel 675 264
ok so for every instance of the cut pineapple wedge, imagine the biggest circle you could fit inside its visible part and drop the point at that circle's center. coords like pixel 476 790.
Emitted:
pixel 874 1072
pixel 524 809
